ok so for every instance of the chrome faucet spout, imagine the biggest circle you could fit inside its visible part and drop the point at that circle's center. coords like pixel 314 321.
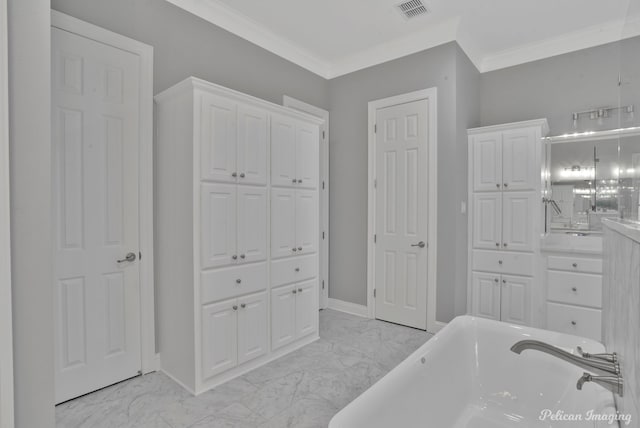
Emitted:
pixel 595 365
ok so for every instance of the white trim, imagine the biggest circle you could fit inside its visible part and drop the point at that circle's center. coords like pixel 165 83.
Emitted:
pixel 348 308
pixel 223 16
pixel 431 95
pixel 570 42
pixel 145 52
pixel 293 103
pixel 6 331
pixel 218 13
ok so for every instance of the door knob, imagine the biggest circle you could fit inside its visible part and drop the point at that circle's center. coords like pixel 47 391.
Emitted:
pixel 420 244
pixel 130 257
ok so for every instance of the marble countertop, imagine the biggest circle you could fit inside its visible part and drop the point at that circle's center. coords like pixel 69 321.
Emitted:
pixel 563 243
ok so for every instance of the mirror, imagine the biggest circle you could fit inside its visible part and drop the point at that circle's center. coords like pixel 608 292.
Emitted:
pixel 593 176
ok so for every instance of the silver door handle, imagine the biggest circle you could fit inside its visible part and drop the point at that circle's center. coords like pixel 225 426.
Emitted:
pixel 420 244
pixel 130 257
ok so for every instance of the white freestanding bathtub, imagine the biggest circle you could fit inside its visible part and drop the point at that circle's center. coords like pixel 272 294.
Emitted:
pixel 467 377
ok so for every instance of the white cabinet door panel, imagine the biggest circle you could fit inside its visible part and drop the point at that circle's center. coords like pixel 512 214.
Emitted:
pixel 486 295
pixel 486 150
pixel 487 220
pixel 217 133
pixel 283 316
pixel 517 218
pixel 307 158
pixel 252 145
pixel 283 222
pixel 519 171
pixel 219 338
pixel 516 299
pixel 306 221
pixel 218 224
pixel 283 151
pixel 252 224
pixel 252 327
pixel 306 308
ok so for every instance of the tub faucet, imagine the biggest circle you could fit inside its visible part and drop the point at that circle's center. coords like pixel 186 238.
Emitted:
pixel 601 364
pixel 612 383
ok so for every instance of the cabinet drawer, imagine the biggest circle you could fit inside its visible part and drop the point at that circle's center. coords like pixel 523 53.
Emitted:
pixel 575 264
pixel 293 270
pixel 573 320
pixel 575 288
pixel 503 262
pixel 231 282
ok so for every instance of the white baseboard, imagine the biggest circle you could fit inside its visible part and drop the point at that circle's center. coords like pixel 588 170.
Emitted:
pixel 349 308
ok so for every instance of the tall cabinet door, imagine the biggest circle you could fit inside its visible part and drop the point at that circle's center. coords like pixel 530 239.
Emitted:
pixel 283 151
pixel 252 327
pixel 283 316
pixel 217 133
pixel 219 338
pixel 218 224
pixel 516 299
pixel 306 222
pixel 252 145
pixel 519 171
pixel 487 162
pixel 486 295
pixel 252 223
pixel 306 308
pixel 517 220
pixel 283 222
pixel 487 220
pixel 307 158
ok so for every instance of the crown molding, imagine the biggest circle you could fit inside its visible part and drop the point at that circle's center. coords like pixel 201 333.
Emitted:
pixel 574 41
pixel 238 24
pixel 415 42
pixel 225 17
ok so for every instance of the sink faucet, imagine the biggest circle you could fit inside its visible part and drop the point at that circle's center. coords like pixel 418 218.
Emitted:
pixel 603 364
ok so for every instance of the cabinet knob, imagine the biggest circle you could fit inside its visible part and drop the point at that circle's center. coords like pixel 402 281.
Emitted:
pixel 242 256
pixel 238 281
pixel 243 305
pixel 235 307
pixel 294 249
pixel 299 181
pixel 299 248
pixel 498 185
pixel 506 184
pixel 234 174
pixel 497 244
pixel 293 180
pixel 504 281
pixel 234 257
pixel 574 323
pixel 242 175
pixel 499 262
pixel 496 280
pixel 297 269
pixel 505 245
pixel 294 291
pixel 575 265
pixel 574 289
pixel 299 290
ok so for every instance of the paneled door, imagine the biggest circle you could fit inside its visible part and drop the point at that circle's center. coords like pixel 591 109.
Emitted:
pixel 401 214
pixel 283 151
pixel 487 220
pixel 218 222
pixel 306 222
pixel 219 337
pixel 487 162
pixel 218 136
pixel 96 219
pixel 252 145
pixel 519 171
pixel 283 223
pixel 306 308
pixel 307 145
pixel 252 327
pixel 516 299
pixel 252 223
pixel 486 295
pixel 283 315
pixel 517 218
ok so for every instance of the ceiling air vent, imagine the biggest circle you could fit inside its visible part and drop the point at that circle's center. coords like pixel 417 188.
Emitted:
pixel 412 8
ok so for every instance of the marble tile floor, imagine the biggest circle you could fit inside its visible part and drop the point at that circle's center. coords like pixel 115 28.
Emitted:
pixel 301 390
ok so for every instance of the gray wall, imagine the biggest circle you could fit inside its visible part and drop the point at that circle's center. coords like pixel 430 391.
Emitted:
pixel 31 250
pixel 349 96
pixel 554 88
pixel 185 45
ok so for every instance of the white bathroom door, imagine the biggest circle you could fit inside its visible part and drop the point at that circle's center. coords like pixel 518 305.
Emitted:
pixel 401 214
pixel 95 182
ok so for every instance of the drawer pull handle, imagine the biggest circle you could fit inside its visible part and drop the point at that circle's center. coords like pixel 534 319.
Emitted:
pixel 297 269
pixel 574 323
pixel 575 265
pixel 238 281
pixel 244 305
pixel 574 289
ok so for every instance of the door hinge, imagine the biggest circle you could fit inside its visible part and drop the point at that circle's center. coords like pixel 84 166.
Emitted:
pixel 323 137
pixel 323 185
pixel 375 128
pixel 139 255
pixel 375 238
pixel 323 284
pixel 374 293
pixel 375 183
pixel 322 234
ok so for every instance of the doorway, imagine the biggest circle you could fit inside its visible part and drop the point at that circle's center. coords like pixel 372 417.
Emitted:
pixel 102 207
pixel 402 209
